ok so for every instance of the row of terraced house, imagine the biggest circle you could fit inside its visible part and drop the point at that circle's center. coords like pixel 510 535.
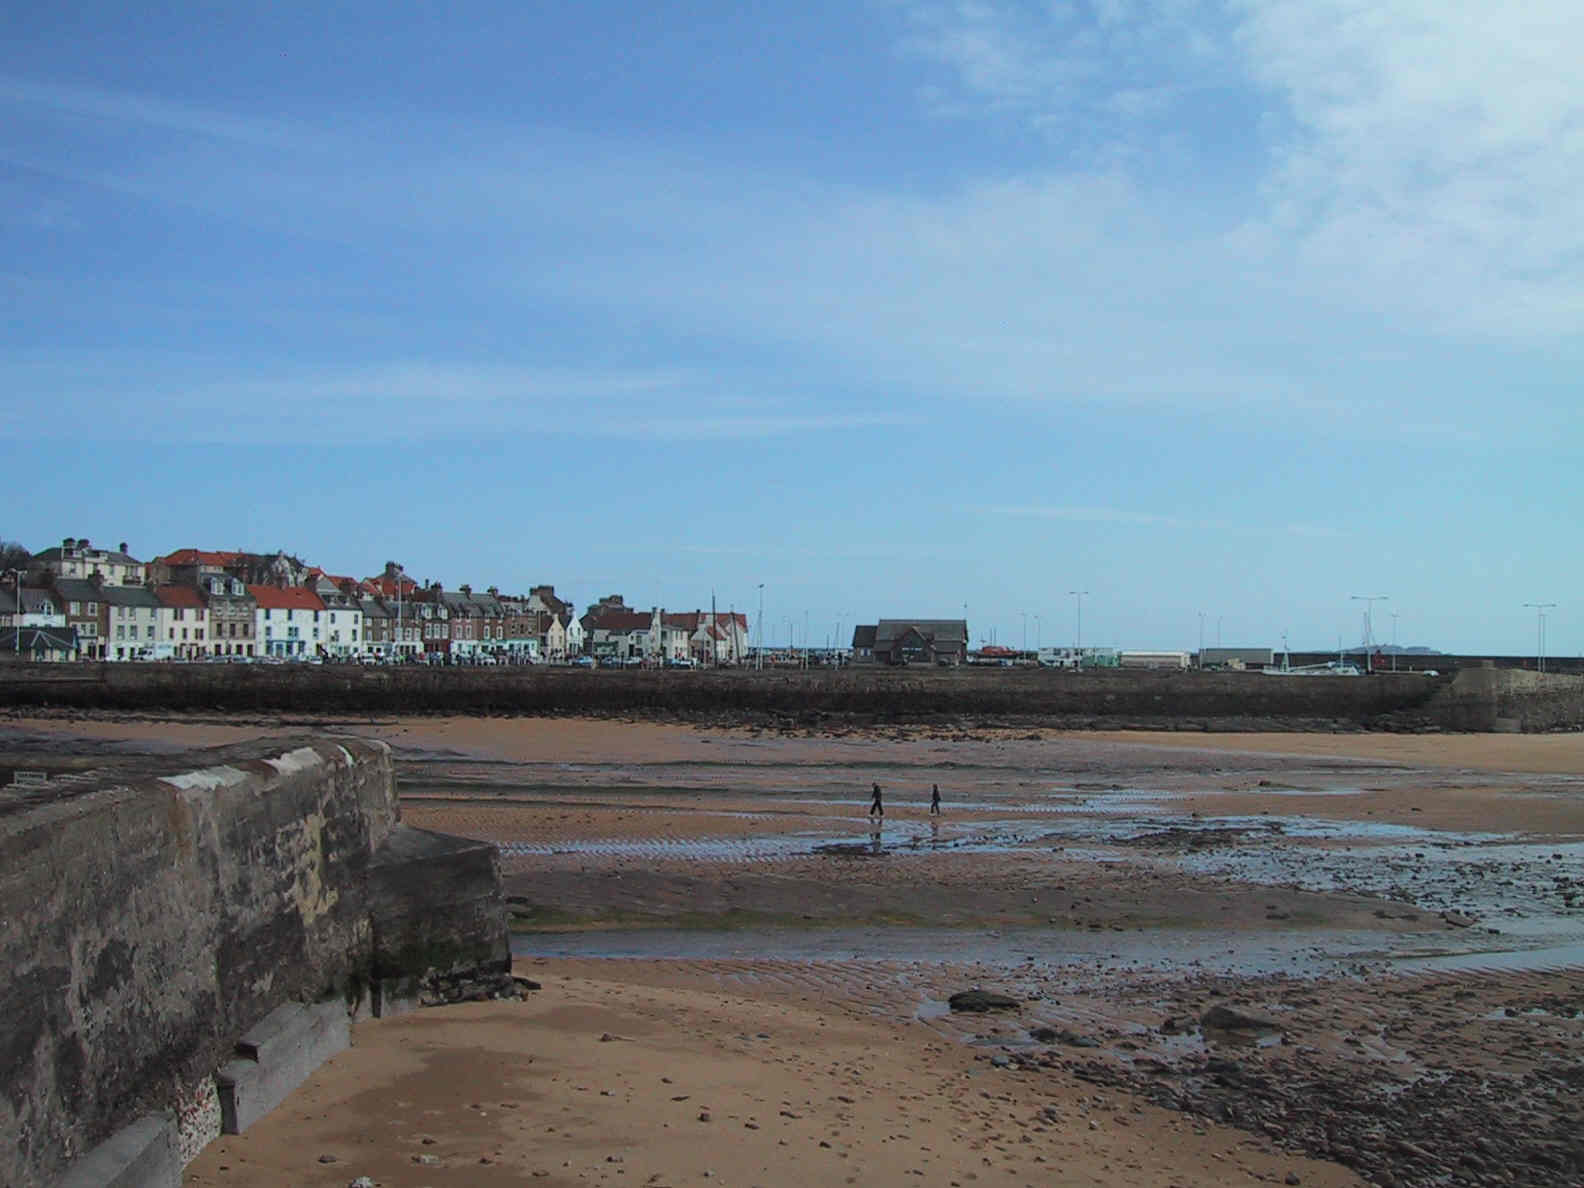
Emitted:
pixel 80 602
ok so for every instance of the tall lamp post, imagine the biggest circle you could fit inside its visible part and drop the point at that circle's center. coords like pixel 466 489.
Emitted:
pixel 1540 609
pixel 759 651
pixel 1369 601
pixel 1078 632
pixel 16 619
pixel 396 652
pixel 1394 640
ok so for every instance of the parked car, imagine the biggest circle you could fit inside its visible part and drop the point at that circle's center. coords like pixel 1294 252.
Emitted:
pixel 582 662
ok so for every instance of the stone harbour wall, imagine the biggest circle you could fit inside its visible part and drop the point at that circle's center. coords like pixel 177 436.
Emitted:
pixel 156 910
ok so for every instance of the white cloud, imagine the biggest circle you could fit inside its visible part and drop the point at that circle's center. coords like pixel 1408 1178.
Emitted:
pixel 1080 288
pixel 1083 73
pixel 1421 159
pixel 1437 157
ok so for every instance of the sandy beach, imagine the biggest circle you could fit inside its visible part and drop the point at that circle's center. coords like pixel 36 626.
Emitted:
pixel 744 978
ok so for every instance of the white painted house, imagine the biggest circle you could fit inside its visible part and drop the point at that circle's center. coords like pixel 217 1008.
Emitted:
pixel 290 621
pixel 181 630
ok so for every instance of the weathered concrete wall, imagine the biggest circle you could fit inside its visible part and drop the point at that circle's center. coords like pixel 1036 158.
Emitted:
pixel 155 910
pixel 861 693
pixel 437 910
pixel 1510 700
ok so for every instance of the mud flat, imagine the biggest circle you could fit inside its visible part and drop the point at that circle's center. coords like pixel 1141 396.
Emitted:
pixel 743 975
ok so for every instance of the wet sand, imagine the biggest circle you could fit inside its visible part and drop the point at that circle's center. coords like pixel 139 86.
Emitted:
pixel 689 890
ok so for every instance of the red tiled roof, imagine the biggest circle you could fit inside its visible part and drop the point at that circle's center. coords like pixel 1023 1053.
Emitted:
pixel 198 557
pixel 387 586
pixel 291 598
pixel 186 597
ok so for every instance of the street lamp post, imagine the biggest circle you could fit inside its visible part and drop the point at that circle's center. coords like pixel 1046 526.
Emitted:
pixel 16 619
pixel 1038 641
pixel 1369 601
pixel 1201 639
pixel 759 651
pixel 397 650
pixel 1025 629
pixel 1078 632
pixel 1394 640
pixel 1540 609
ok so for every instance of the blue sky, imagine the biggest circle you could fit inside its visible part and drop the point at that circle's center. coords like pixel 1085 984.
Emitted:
pixel 1235 309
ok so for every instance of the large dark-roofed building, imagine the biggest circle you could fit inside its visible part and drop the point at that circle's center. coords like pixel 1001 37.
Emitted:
pixel 913 641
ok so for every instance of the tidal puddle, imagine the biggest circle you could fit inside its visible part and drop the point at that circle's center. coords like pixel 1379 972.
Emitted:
pixel 1549 958
pixel 1028 950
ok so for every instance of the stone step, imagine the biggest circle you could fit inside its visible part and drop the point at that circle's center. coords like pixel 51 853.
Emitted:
pixel 142 1155
pixel 275 1056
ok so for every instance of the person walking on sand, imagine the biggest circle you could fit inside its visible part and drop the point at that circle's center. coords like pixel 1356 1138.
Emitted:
pixel 876 809
pixel 934 800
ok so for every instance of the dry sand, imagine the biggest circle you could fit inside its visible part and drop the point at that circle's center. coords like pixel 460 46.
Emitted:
pixel 609 1082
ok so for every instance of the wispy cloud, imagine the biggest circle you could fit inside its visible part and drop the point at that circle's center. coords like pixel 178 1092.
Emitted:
pixel 130 108
pixel 1436 159
pixel 1093 515
pixel 1127 518
pixel 1413 157
pixel 1072 286
pixel 1087 75
pixel 200 402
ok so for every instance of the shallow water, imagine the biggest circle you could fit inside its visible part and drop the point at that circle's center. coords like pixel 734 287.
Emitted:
pixel 1179 950
pixel 1514 889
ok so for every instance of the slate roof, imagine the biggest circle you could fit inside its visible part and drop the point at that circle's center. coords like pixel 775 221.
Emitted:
pixel 937 631
pixel 129 596
pixel 113 555
pixel 77 589
pixel 864 638
pixel 40 639
pixel 624 621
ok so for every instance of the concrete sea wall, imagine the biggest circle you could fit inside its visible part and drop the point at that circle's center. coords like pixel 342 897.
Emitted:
pixel 862 693
pixel 158 911
pixel 1474 697
pixel 1511 700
